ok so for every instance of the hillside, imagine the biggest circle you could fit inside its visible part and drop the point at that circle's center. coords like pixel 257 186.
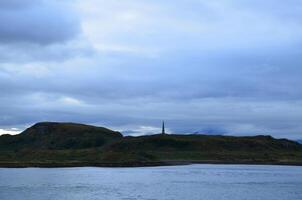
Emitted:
pixel 212 149
pixel 67 144
pixel 51 135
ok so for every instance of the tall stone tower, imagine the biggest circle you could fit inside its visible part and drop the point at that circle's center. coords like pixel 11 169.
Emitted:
pixel 163 128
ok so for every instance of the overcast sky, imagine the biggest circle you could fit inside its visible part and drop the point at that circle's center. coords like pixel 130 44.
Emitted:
pixel 209 66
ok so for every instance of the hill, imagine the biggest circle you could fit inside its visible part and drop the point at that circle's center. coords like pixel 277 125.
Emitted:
pixel 68 144
pixel 210 149
pixel 51 135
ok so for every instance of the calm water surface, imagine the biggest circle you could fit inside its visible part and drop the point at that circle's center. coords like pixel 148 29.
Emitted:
pixel 193 182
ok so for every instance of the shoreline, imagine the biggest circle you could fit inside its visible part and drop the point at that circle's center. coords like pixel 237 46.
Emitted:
pixel 138 164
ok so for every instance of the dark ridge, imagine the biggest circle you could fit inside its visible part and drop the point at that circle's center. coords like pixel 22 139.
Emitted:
pixel 52 144
pixel 53 135
pixel 205 143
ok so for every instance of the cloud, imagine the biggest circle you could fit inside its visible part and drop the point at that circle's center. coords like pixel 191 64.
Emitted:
pixel 38 22
pixel 40 30
pixel 142 130
pixel 204 66
pixel 160 27
pixel 32 53
pixel 17 4
pixel 12 131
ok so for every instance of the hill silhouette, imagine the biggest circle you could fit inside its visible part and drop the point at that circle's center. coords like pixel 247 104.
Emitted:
pixel 51 144
pixel 52 135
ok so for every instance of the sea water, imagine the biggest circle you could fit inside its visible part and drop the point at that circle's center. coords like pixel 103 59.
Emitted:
pixel 191 182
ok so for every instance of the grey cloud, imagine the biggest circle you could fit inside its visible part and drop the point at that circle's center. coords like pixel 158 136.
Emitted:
pixel 18 4
pixel 40 30
pixel 42 22
pixel 245 85
pixel 31 53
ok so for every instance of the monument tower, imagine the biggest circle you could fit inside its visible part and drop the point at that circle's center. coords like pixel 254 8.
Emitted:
pixel 163 128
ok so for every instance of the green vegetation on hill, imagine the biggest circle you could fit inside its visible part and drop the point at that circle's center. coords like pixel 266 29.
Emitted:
pixel 206 148
pixel 50 135
pixel 68 144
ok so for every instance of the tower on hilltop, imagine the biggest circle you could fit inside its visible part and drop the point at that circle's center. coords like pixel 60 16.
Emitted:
pixel 163 128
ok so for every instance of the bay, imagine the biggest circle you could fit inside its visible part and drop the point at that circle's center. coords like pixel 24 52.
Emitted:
pixel 190 182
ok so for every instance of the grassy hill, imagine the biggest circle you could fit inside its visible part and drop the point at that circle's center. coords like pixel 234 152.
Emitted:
pixel 212 149
pixel 55 136
pixel 68 144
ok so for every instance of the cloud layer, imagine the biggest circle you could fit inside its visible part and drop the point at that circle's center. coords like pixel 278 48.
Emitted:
pixel 209 67
pixel 38 22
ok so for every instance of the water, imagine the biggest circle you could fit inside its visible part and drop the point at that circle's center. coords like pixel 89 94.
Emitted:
pixel 193 182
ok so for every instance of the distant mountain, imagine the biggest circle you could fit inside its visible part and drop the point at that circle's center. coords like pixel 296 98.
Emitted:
pixel 300 141
pixel 50 144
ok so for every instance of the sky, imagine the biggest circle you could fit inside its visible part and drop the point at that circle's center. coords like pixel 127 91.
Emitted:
pixel 228 67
